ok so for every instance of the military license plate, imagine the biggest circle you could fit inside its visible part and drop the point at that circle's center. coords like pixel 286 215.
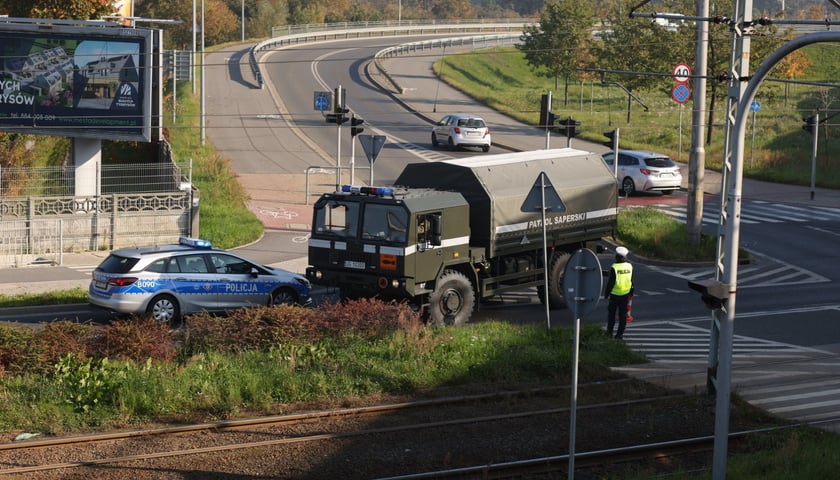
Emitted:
pixel 354 264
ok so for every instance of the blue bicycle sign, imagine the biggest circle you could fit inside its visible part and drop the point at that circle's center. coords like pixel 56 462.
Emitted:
pixel 323 101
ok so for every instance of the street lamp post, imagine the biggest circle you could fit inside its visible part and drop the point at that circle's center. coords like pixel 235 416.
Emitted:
pixel 202 133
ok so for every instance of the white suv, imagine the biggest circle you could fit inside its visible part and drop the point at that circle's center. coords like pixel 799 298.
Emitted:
pixel 461 130
pixel 644 171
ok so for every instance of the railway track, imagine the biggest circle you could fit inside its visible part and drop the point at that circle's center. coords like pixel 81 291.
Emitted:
pixel 397 432
pixel 487 435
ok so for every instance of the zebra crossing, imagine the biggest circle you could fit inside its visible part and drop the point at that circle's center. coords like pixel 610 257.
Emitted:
pixel 759 211
pixel 794 382
pixel 762 271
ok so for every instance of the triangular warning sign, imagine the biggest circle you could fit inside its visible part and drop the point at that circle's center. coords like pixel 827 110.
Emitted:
pixel 543 188
pixel 372 144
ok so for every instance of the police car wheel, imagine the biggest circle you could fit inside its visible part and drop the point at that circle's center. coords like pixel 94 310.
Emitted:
pixel 283 297
pixel 164 309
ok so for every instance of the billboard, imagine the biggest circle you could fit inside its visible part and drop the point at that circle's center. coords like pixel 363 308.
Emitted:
pixel 92 81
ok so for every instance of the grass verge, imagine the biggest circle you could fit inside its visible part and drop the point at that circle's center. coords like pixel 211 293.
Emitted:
pixel 778 151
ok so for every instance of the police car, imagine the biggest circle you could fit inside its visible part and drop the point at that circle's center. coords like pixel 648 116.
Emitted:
pixel 169 281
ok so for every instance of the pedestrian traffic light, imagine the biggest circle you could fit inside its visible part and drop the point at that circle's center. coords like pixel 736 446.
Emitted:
pixel 810 124
pixel 714 293
pixel 552 119
pixel 354 128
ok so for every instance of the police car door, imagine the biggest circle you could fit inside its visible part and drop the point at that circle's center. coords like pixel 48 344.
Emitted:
pixel 194 284
pixel 239 282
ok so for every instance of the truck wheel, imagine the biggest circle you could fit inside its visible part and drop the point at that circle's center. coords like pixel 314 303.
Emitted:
pixel 453 300
pixel 556 300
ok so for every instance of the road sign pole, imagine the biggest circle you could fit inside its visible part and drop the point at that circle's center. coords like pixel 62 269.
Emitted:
pixel 352 160
pixel 582 285
pixel 338 104
pixel 545 250
pixel 573 406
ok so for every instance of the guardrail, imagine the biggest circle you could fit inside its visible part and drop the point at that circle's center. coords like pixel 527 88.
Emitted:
pixel 475 41
pixel 343 31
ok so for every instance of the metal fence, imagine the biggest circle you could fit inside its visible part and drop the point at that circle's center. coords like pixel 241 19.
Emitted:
pixel 21 182
pixel 137 204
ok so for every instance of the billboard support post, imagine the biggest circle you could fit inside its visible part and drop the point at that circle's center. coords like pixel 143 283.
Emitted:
pixel 87 153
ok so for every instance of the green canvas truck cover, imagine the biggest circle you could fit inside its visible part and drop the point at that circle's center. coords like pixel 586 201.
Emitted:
pixel 504 195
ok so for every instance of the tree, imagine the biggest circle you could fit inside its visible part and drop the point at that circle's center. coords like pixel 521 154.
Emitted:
pixel 222 25
pixel 638 46
pixel 58 9
pixel 269 13
pixel 763 42
pixel 557 46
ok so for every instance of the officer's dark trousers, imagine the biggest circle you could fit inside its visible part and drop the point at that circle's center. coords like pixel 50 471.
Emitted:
pixel 618 304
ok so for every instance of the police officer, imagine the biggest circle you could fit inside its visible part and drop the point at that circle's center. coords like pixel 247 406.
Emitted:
pixel 618 290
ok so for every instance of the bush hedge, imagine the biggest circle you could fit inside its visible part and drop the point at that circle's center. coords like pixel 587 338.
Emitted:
pixel 140 339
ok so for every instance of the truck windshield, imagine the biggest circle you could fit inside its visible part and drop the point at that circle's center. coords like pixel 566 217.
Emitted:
pixel 337 218
pixel 387 223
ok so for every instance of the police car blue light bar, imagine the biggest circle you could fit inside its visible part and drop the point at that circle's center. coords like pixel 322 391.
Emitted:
pixel 380 191
pixel 194 242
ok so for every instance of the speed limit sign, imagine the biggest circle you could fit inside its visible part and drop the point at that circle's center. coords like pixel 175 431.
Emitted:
pixel 681 73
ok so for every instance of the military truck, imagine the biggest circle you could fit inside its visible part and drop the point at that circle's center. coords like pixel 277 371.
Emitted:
pixel 451 233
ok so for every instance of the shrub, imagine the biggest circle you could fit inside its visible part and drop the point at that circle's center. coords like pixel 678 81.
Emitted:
pixel 136 338
pixel 58 339
pixel 19 351
pixel 245 329
pixel 367 317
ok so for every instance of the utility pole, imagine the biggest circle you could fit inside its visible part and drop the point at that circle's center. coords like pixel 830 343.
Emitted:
pixel 723 318
pixel 697 156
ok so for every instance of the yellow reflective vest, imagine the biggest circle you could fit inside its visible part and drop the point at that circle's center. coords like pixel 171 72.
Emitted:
pixel 623 278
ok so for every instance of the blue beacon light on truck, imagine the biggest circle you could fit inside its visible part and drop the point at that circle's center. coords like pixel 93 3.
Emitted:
pixel 379 191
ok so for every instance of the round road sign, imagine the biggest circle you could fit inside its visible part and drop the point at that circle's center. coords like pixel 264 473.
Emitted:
pixel 681 73
pixel 680 93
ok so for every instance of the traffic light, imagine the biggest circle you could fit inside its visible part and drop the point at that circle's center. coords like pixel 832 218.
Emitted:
pixel 338 117
pixel 571 126
pixel 552 119
pixel 339 96
pixel 810 124
pixel 354 129
pixel 713 292
pixel 545 112
pixel 611 136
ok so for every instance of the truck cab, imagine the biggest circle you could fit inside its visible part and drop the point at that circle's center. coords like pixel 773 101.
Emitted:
pixel 385 242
